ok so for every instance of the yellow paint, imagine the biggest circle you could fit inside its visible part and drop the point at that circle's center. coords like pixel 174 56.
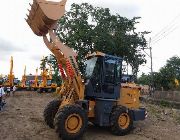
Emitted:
pixel 176 82
pixel 95 54
pixel 124 120
pixel 129 96
pixel 91 112
pixel 10 78
pixel 23 80
pixel 35 83
pixel 73 123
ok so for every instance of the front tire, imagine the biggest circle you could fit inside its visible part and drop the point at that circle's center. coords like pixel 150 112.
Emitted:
pixel 121 121
pixel 50 112
pixel 71 122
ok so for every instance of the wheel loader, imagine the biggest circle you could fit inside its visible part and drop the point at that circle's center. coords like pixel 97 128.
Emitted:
pixel 97 98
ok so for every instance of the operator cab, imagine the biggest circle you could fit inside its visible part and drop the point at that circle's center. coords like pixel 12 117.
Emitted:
pixel 1 81
pixel 49 82
pixel 103 76
pixel 27 83
pixel 16 81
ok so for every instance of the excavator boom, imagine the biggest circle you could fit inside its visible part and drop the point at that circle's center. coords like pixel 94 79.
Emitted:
pixel 10 79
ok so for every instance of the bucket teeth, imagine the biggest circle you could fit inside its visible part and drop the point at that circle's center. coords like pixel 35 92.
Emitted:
pixel 44 15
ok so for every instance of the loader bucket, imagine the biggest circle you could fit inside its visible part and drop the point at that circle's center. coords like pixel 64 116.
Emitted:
pixel 44 15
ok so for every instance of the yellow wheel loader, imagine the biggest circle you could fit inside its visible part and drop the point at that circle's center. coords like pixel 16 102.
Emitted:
pixel 97 98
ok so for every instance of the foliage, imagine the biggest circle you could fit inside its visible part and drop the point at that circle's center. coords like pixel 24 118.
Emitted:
pixel 87 29
pixel 43 63
pixel 144 79
pixel 51 60
pixel 170 72
pixel 166 76
pixel 164 103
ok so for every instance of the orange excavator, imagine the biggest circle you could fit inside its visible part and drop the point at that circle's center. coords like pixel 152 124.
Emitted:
pixel 24 83
pixel 46 84
pixel 9 82
pixel 35 83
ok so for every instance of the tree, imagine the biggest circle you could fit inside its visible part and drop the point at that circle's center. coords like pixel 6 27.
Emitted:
pixel 43 63
pixel 166 77
pixel 144 79
pixel 56 75
pixel 170 72
pixel 87 29
pixel 51 60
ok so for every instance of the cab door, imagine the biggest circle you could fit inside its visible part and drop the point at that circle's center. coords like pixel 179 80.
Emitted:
pixel 112 76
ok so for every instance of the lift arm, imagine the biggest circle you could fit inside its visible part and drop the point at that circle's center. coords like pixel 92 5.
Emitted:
pixel 42 19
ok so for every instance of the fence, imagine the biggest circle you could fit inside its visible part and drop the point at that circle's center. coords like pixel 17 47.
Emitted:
pixel 167 95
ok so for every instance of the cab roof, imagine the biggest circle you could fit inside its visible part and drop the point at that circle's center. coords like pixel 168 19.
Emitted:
pixel 97 53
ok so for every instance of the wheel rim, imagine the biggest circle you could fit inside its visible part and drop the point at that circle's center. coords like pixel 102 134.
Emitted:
pixel 124 120
pixel 73 123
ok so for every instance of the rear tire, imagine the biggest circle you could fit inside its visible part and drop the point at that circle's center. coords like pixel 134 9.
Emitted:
pixel 50 112
pixel 40 90
pixel 121 121
pixel 71 122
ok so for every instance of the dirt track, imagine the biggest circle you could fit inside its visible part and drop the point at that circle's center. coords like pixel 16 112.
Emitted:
pixel 22 120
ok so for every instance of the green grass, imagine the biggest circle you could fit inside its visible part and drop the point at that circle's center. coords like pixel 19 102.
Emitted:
pixel 164 103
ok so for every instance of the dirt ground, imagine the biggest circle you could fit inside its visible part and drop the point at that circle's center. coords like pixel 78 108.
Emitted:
pixel 22 119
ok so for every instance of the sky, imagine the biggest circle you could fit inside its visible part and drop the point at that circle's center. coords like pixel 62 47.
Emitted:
pixel 160 17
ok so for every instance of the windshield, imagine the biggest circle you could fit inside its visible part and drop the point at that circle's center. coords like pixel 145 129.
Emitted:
pixel 16 81
pixel 1 81
pixel 48 82
pixel 90 65
pixel 27 83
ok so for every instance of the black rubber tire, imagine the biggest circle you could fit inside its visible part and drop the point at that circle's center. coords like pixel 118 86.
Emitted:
pixel 115 128
pixel 61 117
pixel 49 90
pixel 50 112
pixel 40 90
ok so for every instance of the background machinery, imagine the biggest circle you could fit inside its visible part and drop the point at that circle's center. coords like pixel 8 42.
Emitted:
pixel 50 79
pixel 35 83
pixel 97 98
pixel 9 80
pixel 1 80
pixel 24 84
pixel 46 84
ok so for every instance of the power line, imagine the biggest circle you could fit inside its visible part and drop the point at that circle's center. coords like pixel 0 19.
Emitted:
pixel 164 32
pixel 166 28
pixel 165 35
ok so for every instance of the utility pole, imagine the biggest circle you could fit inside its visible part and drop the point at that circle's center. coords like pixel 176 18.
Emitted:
pixel 152 74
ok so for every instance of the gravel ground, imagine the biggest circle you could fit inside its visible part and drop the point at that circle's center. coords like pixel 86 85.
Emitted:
pixel 22 119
